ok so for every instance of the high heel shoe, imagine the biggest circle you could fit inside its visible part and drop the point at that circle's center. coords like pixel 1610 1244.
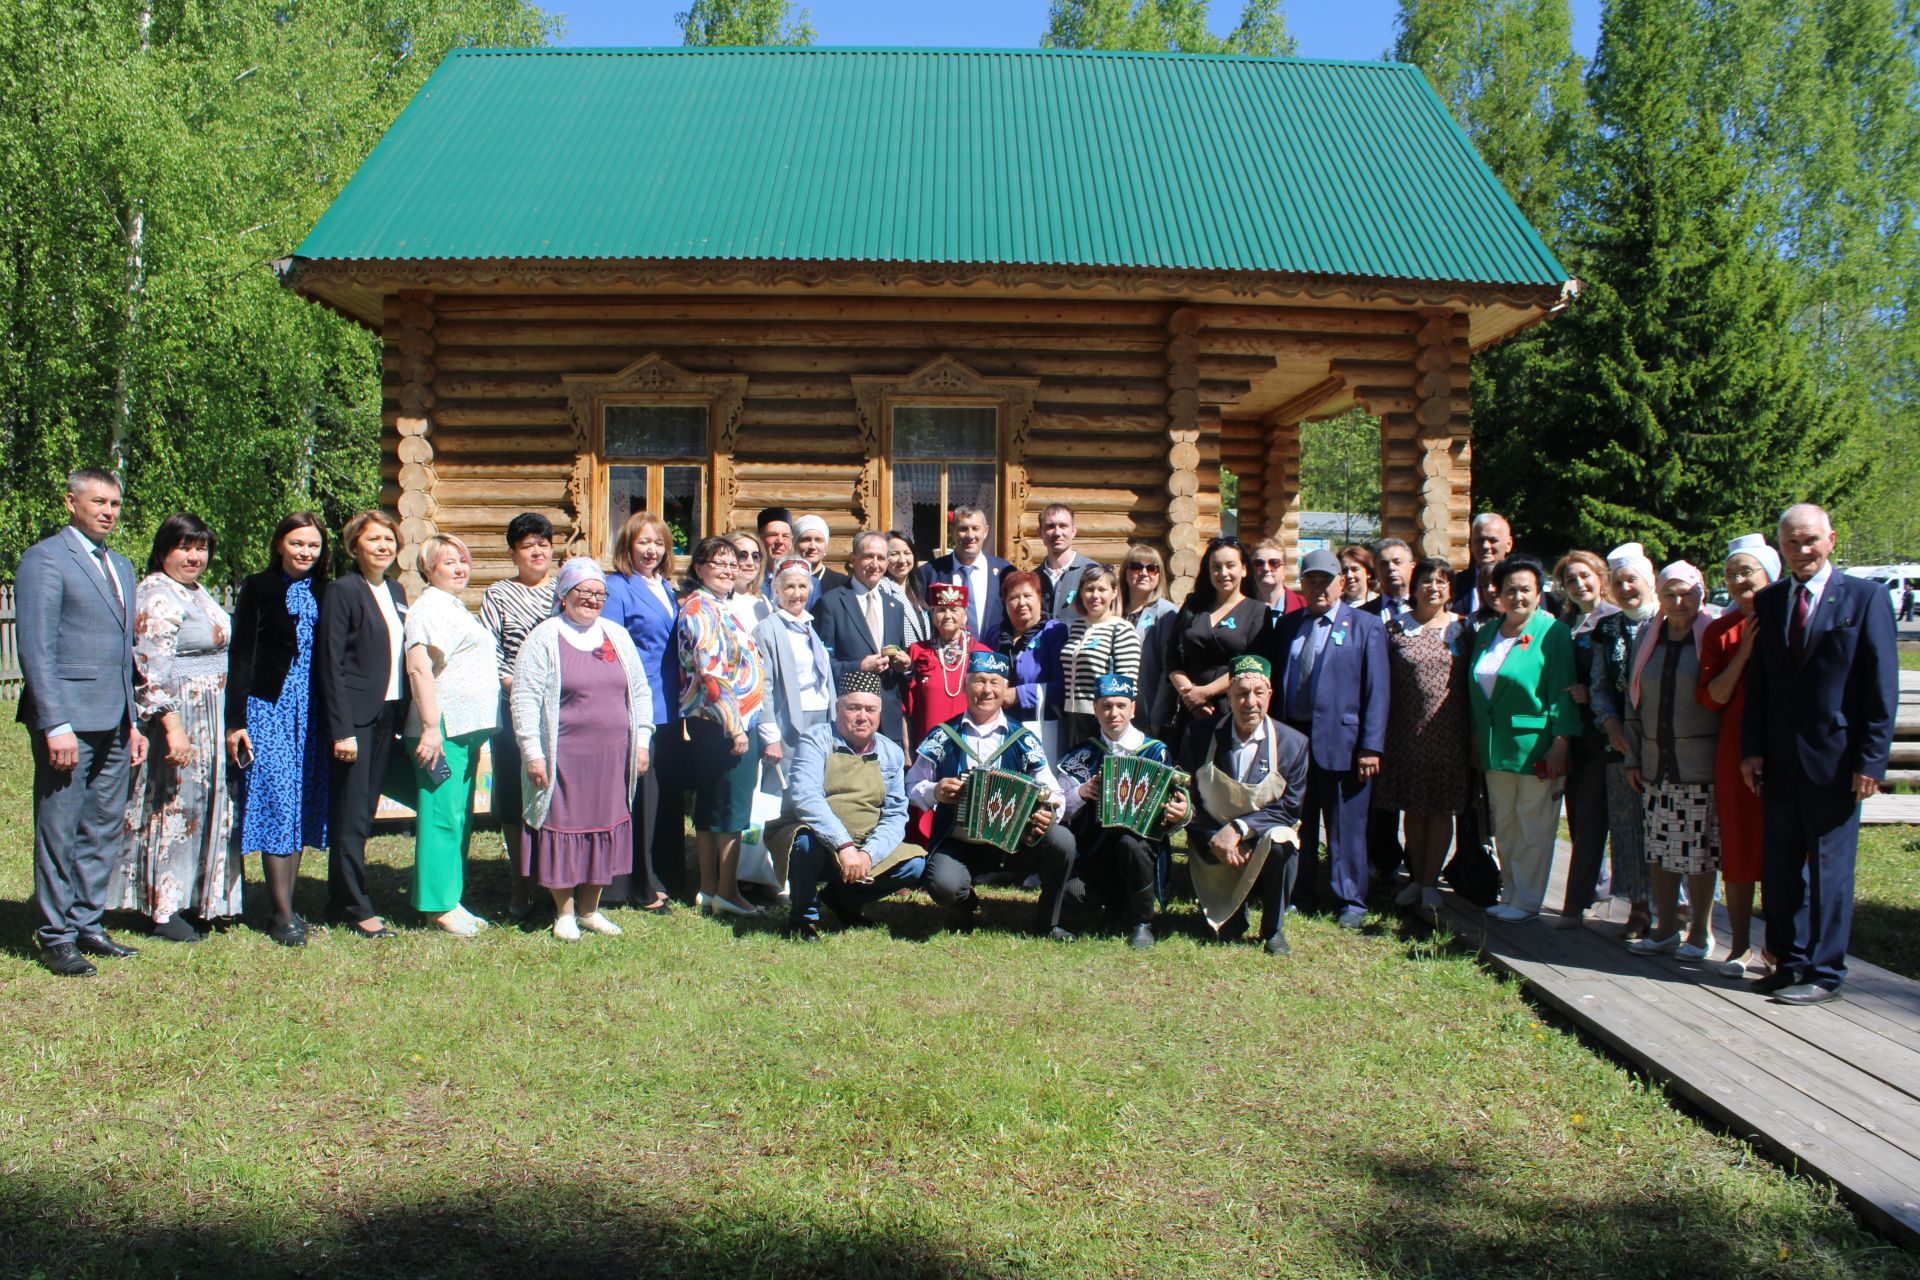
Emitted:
pixel 721 904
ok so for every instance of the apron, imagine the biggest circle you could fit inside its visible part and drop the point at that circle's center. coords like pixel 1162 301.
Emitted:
pixel 1221 888
pixel 856 792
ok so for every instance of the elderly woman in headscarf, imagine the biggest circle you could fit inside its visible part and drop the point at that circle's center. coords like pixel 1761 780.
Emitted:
pixel 1630 588
pixel 1671 743
pixel 1724 651
pixel 583 717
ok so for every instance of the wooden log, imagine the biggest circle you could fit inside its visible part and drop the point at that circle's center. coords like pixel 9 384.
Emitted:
pixel 416 504
pixel 799 414
pixel 477 414
pixel 1307 319
pixel 414 449
pixel 501 444
pixel 499 387
pixel 1280 344
pixel 644 336
pixel 791 309
pixel 416 530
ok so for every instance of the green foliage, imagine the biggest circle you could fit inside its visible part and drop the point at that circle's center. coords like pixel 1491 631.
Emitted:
pixel 150 173
pixel 1739 199
pixel 1164 26
pixel 745 23
pixel 1340 464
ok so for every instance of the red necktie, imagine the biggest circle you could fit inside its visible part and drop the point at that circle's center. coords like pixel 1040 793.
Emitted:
pixel 1797 630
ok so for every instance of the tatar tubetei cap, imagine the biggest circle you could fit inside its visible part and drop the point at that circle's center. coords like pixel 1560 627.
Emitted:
pixel 1115 685
pixel 1250 664
pixel 1320 561
pixel 989 664
pixel 855 680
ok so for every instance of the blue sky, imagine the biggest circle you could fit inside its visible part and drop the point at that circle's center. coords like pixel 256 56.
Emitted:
pixel 1324 28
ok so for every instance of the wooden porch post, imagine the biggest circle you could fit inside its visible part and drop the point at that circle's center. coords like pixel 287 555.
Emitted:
pixel 1183 452
pixel 1425 443
pixel 406 333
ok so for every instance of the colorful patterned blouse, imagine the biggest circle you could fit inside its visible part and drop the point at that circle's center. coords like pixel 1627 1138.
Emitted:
pixel 721 677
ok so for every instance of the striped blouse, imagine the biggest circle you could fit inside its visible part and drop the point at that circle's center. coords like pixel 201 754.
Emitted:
pixel 1093 650
pixel 720 673
pixel 510 609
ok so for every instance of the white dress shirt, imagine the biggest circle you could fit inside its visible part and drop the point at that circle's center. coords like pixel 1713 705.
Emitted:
pixel 982 741
pixel 973 578
pixel 1815 587
pixel 396 633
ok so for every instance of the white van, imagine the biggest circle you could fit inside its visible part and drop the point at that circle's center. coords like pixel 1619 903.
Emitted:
pixel 1898 579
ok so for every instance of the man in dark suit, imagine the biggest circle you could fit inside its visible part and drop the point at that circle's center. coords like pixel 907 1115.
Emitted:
pixel 1061 567
pixel 810 539
pixel 1394 559
pixel 1822 688
pixel 980 573
pixel 1249 776
pixel 75 601
pixel 865 629
pixel 1330 676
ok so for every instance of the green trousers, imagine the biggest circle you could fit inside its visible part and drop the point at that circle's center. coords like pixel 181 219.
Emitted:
pixel 443 823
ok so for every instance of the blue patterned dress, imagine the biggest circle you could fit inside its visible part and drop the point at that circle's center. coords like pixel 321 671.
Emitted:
pixel 286 797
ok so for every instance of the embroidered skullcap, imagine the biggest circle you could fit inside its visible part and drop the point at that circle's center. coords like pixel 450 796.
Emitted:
pixel 947 595
pixel 858 681
pixel 989 664
pixel 1115 685
pixel 1251 664
pixel 809 524
pixel 573 572
pixel 1755 545
pixel 1631 555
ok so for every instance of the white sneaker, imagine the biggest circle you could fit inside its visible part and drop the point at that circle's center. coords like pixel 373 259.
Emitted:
pixel 1509 913
pixel 600 925
pixel 1408 895
pixel 566 928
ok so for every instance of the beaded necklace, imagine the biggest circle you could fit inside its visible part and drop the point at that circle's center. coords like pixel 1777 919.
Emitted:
pixel 953 659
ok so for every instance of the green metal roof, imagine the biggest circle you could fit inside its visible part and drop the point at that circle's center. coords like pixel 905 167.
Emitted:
pixel 1027 157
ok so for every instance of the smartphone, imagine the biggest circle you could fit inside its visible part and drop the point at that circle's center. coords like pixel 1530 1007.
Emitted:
pixel 440 772
pixel 243 755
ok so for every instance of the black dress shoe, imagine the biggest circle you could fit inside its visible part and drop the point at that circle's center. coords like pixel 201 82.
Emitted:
pixel 1778 980
pixel 1806 993
pixel 965 913
pixel 845 913
pixel 1277 945
pixel 1141 938
pixel 353 927
pixel 99 944
pixel 65 959
pixel 291 934
pixel 176 929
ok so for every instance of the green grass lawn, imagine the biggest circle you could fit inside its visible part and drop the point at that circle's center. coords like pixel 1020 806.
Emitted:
pixel 690 1100
pixel 1886 899
pixel 1910 657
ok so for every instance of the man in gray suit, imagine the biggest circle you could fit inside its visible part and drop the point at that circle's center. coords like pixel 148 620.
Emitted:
pixel 75 605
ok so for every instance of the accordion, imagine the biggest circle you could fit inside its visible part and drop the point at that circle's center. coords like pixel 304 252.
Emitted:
pixel 995 807
pixel 1134 789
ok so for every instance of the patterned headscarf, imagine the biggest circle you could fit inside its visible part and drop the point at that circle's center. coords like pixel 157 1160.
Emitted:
pixel 1682 572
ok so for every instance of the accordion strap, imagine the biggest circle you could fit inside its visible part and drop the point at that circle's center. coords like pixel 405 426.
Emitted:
pixel 1006 744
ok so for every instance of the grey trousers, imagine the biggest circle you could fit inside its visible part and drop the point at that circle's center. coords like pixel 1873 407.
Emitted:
pixel 1627 836
pixel 951 866
pixel 79 829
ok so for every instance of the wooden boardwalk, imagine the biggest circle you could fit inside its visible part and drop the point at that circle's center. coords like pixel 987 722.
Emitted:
pixel 1832 1090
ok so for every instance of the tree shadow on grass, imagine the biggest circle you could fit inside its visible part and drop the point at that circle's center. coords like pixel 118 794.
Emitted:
pixel 1887 934
pixel 1421 1217
pixel 521 1228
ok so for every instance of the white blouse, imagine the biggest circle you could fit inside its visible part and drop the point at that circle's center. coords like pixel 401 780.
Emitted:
pixel 466 679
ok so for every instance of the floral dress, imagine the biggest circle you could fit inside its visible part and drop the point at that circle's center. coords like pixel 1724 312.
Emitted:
pixel 285 804
pixel 179 854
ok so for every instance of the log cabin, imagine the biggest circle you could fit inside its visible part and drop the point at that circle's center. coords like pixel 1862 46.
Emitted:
pixel 873 284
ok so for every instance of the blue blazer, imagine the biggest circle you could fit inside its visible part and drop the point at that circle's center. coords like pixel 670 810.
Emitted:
pixel 76 649
pixel 1350 684
pixel 843 629
pixel 1831 714
pixel 652 629
pixel 993 615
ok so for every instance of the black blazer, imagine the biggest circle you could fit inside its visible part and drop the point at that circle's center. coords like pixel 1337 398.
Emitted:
pixel 352 659
pixel 842 628
pixel 265 642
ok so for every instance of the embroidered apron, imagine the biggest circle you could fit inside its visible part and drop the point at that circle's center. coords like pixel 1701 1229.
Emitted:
pixel 1221 888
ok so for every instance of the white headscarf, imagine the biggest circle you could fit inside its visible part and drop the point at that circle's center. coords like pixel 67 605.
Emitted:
pixel 1755 545
pixel 1633 557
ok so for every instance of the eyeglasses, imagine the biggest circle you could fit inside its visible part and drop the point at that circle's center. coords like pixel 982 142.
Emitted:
pixel 589 597
pixel 750 555
pixel 1152 569
pixel 1269 564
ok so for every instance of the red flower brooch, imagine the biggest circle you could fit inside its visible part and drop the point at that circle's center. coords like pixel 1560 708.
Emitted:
pixel 1526 638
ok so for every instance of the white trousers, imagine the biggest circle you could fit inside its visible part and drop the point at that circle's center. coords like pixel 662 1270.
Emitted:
pixel 1526 821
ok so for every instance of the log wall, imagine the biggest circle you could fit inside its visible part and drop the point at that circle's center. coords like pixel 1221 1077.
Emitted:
pixel 1126 419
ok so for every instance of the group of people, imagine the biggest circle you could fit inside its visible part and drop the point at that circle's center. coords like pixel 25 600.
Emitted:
pixel 930 723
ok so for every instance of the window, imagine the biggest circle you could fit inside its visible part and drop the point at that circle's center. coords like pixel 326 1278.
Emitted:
pixel 943 457
pixel 655 456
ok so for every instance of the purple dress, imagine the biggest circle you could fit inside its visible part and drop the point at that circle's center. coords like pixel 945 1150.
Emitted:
pixel 588 837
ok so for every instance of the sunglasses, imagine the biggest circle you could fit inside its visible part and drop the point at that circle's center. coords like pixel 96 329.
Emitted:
pixel 1269 564
pixel 750 555
pixel 1143 568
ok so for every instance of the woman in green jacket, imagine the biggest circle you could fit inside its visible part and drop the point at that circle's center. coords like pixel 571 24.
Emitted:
pixel 1524 722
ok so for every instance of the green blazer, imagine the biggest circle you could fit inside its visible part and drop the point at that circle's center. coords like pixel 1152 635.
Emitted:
pixel 1530 706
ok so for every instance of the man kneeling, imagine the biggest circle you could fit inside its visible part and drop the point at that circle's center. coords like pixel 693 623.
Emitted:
pixel 845 813
pixel 1118 865
pixel 1249 776
pixel 983 738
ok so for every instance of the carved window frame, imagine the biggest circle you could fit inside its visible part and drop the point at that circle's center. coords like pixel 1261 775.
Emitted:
pixel 650 380
pixel 947 383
